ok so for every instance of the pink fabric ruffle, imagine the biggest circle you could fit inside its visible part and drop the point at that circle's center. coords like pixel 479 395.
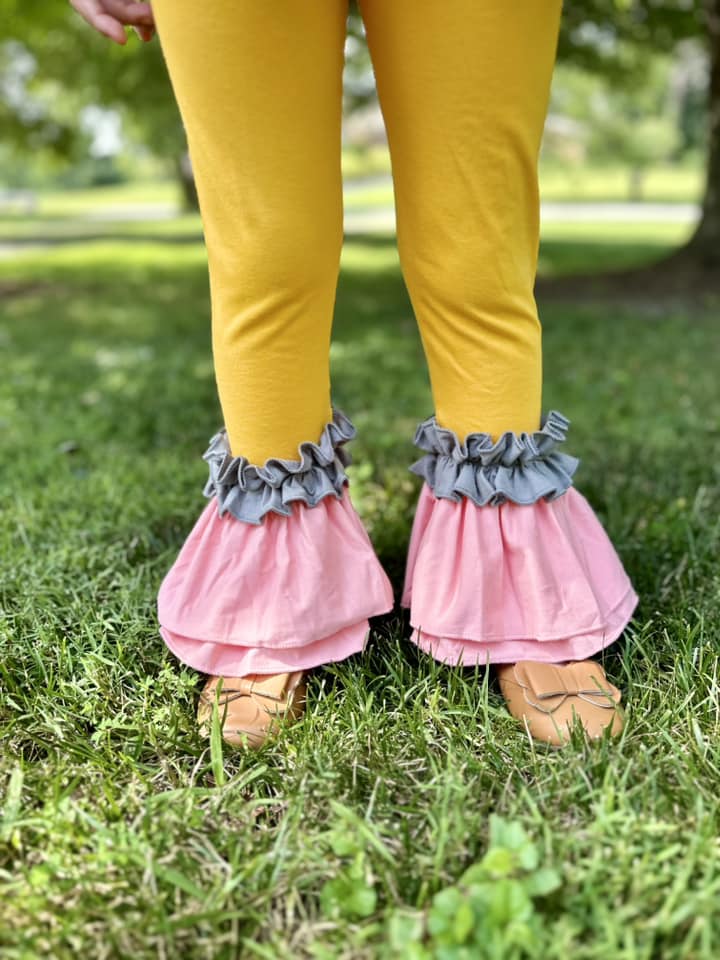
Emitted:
pixel 497 584
pixel 289 594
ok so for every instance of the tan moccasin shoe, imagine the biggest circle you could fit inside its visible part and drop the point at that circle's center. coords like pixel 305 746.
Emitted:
pixel 250 708
pixel 549 697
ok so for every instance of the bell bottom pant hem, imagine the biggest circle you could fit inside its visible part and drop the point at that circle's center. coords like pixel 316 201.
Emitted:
pixel 488 582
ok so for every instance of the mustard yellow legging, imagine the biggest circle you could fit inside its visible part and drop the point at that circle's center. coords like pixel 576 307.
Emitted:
pixel 463 86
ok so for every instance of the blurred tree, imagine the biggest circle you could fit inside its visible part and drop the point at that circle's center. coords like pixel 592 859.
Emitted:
pixel 619 39
pixel 358 81
pixel 45 120
pixel 706 241
pixel 67 65
pixel 616 38
pixel 643 141
pixel 638 126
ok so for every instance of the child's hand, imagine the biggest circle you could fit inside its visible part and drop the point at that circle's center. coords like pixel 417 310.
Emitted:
pixel 110 17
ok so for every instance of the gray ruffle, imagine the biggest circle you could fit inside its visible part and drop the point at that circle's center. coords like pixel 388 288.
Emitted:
pixel 520 468
pixel 248 491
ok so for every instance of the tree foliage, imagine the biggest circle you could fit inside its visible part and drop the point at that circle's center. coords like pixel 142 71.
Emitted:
pixel 52 64
pixel 75 66
pixel 614 37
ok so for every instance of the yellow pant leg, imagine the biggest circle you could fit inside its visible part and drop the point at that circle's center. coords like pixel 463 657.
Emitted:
pixel 464 87
pixel 259 87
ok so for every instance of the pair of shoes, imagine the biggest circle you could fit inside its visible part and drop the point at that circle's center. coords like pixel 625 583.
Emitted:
pixel 251 708
pixel 550 698
pixel 507 500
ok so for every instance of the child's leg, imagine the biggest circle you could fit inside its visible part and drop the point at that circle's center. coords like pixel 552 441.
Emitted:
pixel 259 88
pixel 505 562
pixel 278 573
pixel 464 88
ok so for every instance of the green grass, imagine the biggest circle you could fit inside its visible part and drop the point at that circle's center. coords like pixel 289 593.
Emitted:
pixel 558 180
pixel 121 836
pixel 670 184
pixel 568 185
pixel 590 246
pixel 76 202
pixel 60 229
pixel 566 182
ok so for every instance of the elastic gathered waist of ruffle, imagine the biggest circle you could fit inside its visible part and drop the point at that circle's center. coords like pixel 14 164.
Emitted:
pixel 521 468
pixel 248 491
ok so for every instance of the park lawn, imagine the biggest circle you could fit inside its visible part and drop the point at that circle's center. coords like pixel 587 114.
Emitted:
pixel 60 229
pixel 594 247
pixel 586 245
pixel 124 835
pixel 661 183
pixel 76 202
pixel 558 182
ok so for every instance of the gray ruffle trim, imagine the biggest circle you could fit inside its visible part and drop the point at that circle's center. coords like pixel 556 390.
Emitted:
pixel 248 491
pixel 520 468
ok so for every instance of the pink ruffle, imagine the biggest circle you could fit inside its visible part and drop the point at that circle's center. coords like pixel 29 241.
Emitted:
pixel 497 584
pixel 288 594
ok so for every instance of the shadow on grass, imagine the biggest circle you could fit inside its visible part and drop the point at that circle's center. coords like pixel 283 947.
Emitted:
pixel 123 828
pixel 74 232
pixel 111 358
pixel 559 258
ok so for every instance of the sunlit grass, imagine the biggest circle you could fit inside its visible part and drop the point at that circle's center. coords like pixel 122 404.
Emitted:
pixel 115 838
pixel 569 181
pixel 75 202
pixel 558 182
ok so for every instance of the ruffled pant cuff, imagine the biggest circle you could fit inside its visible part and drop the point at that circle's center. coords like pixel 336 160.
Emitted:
pixel 507 561
pixel 288 594
pixel 278 574
pixel 507 583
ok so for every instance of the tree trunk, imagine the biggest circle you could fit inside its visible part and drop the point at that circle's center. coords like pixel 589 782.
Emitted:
pixel 187 182
pixel 705 242
pixel 636 183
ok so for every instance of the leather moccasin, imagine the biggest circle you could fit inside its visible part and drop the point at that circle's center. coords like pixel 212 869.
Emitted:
pixel 549 698
pixel 251 708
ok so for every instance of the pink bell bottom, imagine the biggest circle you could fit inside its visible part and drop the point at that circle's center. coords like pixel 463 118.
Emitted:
pixel 490 584
pixel 497 584
pixel 287 594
